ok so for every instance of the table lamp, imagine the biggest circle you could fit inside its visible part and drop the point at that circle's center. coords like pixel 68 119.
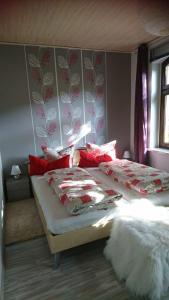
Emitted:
pixel 15 171
pixel 126 154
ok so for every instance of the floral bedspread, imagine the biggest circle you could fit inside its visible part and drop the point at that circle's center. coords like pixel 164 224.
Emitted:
pixel 142 178
pixel 80 192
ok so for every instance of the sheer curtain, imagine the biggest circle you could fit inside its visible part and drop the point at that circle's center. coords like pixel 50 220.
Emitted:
pixel 141 105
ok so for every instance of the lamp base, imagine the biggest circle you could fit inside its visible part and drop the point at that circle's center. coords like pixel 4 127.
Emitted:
pixel 16 176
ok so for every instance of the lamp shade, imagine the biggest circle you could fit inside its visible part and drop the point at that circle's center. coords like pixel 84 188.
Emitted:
pixel 126 154
pixel 15 171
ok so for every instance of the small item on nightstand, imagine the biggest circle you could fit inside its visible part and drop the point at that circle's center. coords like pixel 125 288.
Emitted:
pixel 15 171
pixel 126 154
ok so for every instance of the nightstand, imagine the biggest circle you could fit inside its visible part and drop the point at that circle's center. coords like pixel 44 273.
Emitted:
pixel 18 189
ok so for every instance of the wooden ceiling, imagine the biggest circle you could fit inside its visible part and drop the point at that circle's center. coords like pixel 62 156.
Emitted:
pixel 92 24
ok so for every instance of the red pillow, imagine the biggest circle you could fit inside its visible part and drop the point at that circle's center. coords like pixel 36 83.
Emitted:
pixel 39 166
pixel 88 160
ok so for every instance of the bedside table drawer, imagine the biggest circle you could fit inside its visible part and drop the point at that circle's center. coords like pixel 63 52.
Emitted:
pixel 18 189
pixel 18 195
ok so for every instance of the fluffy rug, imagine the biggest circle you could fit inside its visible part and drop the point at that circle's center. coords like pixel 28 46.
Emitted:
pixel 22 221
pixel 138 249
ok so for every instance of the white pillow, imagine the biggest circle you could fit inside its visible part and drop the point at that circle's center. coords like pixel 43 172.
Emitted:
pixel 53 154
pixel 108 148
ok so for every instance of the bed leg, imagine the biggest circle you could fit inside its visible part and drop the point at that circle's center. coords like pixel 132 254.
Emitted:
pixel 56 260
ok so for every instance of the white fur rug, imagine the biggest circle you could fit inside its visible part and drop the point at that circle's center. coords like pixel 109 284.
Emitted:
pixel 138 249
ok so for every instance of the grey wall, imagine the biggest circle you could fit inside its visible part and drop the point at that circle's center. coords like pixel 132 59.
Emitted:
pixel 16 130
pixel 119 98
pixel 1 235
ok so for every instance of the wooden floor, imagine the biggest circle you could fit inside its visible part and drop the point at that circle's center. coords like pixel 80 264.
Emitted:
pixel 84 274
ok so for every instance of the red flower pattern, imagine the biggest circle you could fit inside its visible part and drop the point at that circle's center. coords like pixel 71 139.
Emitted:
pixel 85 198
pixel 157 181
pixel 77 125
pixel 51 128
pixel 64 199
pixel 43 146
pixel 64 75
pixel 73 58
pixel 40 111
pixel 135 181
pixel 110 192
pixel 88 187
pixel 99 59
pixel 36 75
pixel 100 124
pixel 75 92
pixel 48 93
pixel 99 92
pixel 89 76
pixel 46 57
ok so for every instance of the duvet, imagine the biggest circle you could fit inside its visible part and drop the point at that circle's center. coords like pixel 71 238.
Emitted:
pixel 142 178
pixel 80 192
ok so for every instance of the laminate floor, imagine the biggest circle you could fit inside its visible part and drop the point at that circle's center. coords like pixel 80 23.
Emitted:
pixel 84 274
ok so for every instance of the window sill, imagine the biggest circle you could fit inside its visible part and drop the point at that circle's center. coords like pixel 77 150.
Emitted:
pixel 161 150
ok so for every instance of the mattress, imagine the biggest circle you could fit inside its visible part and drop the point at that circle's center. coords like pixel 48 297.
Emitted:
pixel 59 221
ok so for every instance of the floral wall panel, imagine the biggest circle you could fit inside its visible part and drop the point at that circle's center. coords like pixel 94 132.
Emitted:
pixel 43 95
pixel 64 108
pixel 69 76
pixel 95 95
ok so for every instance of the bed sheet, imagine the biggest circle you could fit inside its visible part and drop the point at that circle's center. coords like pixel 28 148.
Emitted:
pixel 59 221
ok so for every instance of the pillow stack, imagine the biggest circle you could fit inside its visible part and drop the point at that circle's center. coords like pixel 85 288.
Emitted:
pixel 108 149
pixel 69 157
pixel 53 160
pixel 96 154
pixel 39 166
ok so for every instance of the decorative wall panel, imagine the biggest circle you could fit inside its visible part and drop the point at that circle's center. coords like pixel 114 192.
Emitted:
pixel 43 96
pixel 67 92
pixel 69 78
pixel 95 95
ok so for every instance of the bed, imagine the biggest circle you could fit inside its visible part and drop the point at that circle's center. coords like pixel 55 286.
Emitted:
pixel 64 231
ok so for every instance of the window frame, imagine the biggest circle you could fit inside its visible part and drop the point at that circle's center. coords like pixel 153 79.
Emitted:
pixel 164 92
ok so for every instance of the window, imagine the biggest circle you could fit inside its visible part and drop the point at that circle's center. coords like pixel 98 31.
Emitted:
pixel 164 111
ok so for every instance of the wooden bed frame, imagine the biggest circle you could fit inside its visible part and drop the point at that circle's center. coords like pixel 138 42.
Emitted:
pixel 60 242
